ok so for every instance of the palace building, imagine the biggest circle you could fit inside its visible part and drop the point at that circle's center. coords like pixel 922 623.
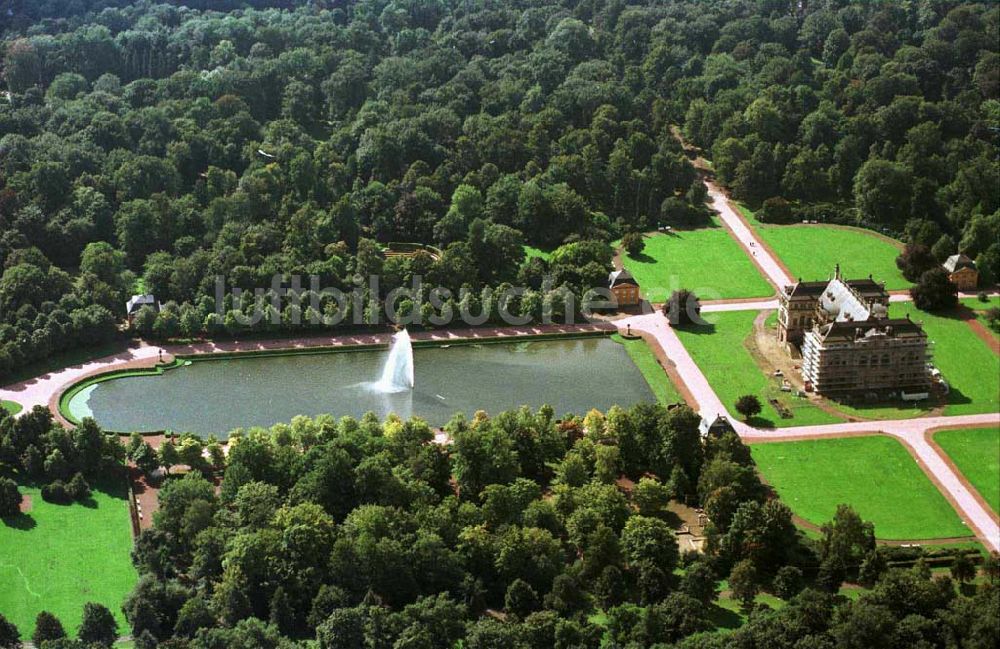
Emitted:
pixel 849 345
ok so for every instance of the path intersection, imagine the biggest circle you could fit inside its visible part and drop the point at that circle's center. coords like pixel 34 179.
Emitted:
pixel 913 433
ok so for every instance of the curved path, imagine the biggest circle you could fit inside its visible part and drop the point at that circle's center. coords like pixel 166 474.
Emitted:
pixel 45 390
pixel 911 432
pixel 40 390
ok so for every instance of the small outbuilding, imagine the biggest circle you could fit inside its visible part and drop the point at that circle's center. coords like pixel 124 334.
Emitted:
pixel 136 302
pixel 624 287
pixel 962 272
pixel 715 427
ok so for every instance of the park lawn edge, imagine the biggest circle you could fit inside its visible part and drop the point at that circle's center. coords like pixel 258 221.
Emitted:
pixel 812 476
pixel 649 366
pixel 790 255
pixel 654 273
pixel 13 407
pixel 984 479
pixel 108 522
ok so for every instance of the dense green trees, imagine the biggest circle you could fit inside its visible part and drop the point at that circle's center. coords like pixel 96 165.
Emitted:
pixel 47 628
pixel 10 498
pixel 934 291
pixel 156 147
pixel 10 637
pixel 34 448
pixel 352 532
pixel 351 529
pixel 98 626
pixel 915 260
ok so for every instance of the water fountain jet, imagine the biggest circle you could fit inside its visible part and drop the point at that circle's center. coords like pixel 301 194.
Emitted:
pixel 397 373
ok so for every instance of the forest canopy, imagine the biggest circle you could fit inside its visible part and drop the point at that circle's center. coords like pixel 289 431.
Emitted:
pixel 159 146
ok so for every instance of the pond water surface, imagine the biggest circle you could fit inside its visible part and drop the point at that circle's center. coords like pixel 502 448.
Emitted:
pixel 216 396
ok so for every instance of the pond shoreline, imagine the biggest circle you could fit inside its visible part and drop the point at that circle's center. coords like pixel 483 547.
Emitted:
pixel 156 360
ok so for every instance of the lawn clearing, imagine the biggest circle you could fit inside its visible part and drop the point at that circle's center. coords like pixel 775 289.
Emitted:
pixel 730 368
pixel 875 475
pixel 969 366
pixel 976 452
pixel 644 358
pixel 811 251
pixel 707 261
pixel 531 251
pixel 13 407
pixel 58 557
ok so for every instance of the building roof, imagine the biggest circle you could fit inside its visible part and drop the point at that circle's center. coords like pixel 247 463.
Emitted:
pixel 806 289
pixel 958 262
pixel 620 278
pixel 866 287
pixel 845 332
pixel 717 426
pixel 136 302
pixel 843 304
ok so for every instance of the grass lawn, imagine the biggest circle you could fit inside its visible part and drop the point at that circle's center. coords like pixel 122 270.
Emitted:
pixel 976 304
pixel 644 358
pixel 707 261
pixel 727 603
pixel 531 251
pixel 966 362
pixel 981 308
pixel 13 407
pixel 58 557
pixel 720 352
pixel 897 409
pixel 811 251
pixel 875 475
pixel 976 452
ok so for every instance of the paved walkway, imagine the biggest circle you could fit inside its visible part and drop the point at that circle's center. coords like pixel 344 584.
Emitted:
pixel 768 264
pixel 758 305
pixel 717 306
pixel 40 390
pixel 912 432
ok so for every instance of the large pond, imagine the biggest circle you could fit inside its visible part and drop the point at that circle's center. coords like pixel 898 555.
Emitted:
pixel 216 396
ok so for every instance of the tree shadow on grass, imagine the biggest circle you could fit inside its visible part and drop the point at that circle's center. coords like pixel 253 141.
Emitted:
pixel 671 519
pixel 960 312
pixel 642 258
pixel 699 330
pixel 723 618
pixel 761 422
pixel 115 486
pixel 956 397
pixel 20 521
